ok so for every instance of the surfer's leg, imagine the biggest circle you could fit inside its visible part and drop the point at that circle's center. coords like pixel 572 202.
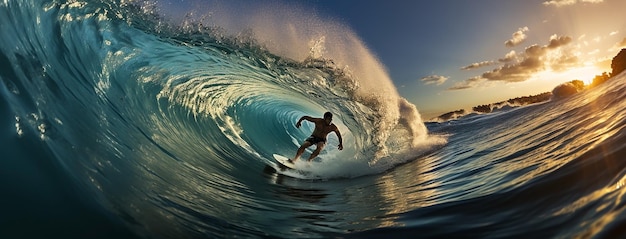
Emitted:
pixel 320 146
pixel 304 145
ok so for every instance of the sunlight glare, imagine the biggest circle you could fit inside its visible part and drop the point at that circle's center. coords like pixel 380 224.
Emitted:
pixel 584 73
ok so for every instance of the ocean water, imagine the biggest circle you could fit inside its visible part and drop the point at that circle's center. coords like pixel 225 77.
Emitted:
pixel 118 124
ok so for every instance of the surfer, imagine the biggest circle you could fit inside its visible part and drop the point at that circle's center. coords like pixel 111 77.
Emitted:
pixel 322 128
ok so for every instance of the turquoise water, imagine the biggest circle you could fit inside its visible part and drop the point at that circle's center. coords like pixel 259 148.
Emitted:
pixel 168 132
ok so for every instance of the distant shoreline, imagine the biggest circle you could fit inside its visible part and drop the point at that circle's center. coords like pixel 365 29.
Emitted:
pixel 564 90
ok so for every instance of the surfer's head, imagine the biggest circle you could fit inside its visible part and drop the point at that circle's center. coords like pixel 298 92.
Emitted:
pixel 328 117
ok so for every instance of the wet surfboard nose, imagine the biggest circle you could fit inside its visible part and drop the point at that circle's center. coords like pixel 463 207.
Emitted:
pixel 284 161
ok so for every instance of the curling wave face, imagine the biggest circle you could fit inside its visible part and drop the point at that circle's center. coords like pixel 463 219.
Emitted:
pixel 144 114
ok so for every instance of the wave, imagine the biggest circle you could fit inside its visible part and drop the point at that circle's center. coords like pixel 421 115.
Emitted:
pixel 144 113
pixel 356 80
pixel 123 75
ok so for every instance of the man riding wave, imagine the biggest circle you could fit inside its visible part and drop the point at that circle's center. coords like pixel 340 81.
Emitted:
pixel 323 127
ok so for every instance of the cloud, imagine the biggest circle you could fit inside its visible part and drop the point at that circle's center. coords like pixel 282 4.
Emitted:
pixel 563 61
pixel 521 67
pixel 466 84
pixel 434 79
pixel 517 37
pixel 560 3
pixel 508 57
pixel 478 65
pixel 518 72
pixel 557 41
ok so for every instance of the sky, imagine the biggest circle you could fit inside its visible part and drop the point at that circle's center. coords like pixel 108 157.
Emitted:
pixel 447 55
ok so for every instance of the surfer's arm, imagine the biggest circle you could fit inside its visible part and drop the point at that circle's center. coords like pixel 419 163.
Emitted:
pixel 309 118
pixel 339 137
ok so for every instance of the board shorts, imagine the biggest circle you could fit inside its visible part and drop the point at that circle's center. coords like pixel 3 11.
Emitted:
pixel 314 140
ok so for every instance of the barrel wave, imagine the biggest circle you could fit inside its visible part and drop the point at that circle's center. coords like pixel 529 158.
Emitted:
pixel 184 115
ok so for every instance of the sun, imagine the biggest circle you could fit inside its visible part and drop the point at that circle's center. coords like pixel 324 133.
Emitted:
pixel 585 73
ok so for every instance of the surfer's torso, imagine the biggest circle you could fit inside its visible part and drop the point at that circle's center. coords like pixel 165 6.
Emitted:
pixel 322 128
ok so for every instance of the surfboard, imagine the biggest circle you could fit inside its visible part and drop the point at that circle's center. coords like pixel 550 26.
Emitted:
pixel 284 161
